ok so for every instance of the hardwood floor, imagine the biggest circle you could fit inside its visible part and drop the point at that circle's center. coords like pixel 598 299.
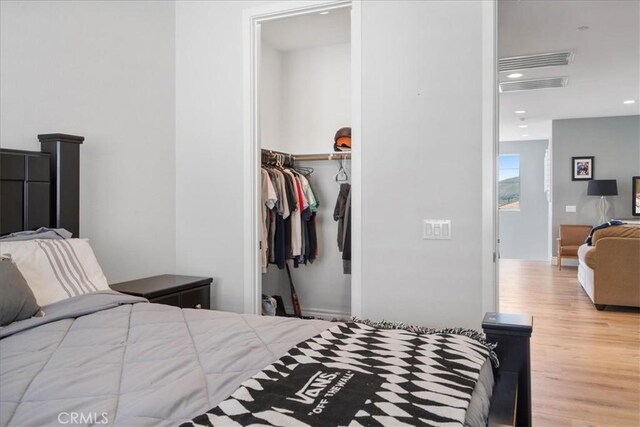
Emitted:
pixel 585 363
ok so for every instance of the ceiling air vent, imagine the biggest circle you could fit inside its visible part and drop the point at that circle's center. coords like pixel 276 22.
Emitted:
pixel 545 83
pixel 535 61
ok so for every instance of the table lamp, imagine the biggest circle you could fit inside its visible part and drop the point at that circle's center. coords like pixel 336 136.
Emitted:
pixel 602 188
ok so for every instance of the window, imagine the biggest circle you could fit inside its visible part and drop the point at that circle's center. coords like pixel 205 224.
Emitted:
pixel 509 182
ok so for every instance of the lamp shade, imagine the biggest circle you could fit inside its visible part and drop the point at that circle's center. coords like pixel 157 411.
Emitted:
pixel 602 187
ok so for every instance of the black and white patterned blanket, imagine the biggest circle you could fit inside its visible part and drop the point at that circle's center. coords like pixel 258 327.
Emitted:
pixel 355 374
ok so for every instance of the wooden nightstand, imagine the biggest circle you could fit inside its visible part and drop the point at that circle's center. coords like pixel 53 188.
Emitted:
pixel 179 291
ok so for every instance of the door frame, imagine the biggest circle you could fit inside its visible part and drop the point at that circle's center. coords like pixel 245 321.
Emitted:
pixel 490 253
pixel 252 145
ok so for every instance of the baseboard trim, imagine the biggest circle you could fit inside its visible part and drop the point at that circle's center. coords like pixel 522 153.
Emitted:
pixel 320 312
pixel 569 262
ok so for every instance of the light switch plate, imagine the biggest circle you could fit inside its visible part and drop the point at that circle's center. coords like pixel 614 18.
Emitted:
pixel 437 229
pixel 570 208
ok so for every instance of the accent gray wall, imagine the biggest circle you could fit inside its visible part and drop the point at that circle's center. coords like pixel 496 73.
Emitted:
pixel 524 233
pixel 615 144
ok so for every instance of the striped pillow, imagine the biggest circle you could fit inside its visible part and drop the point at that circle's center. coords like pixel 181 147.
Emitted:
pixel 57 269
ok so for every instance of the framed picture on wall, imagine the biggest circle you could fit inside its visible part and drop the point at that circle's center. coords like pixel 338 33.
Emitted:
pixel 636 195
pixel 582 168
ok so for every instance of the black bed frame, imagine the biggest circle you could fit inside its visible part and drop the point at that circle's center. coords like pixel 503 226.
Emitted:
pixel 42 189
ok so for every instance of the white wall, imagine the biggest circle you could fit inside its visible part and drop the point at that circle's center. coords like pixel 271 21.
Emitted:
pixel 271 99
pixel 209 146
pixel 421 155
pixel 422 149
pixel 317 97
pixel 103 70
pixel 524 233
pixel 305 97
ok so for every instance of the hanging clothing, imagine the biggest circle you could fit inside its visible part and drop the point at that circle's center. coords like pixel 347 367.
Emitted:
pixel 342 214
pixel 314 203
pixel 281 242
pixel 296 233
pixel 269 199
pixel 313 238
pixel 308 192
pixel 339 212
pixel 272 218
pixel 346 238
pixel 288 226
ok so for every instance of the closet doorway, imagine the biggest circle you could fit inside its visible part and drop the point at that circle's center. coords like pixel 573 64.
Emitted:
pixel 302 70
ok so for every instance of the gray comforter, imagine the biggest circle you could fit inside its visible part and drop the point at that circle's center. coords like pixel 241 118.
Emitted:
pixel 106 359
pixel 132 364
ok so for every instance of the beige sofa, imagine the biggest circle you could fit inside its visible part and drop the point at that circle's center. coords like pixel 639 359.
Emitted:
pixel 609 271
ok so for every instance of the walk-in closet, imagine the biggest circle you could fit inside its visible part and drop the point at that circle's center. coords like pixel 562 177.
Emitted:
pixel 304 92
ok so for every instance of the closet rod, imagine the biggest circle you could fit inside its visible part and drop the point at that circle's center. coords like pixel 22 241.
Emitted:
pixel 323 156
pixel 344 155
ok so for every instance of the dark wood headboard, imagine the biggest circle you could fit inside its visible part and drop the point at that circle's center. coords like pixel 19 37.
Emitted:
pixel 41 189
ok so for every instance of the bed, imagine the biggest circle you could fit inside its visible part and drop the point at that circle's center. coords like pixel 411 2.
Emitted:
pixel 105 358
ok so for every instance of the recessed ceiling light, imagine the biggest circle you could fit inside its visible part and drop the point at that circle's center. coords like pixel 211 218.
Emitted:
pixel 583 28
pixel 515 75
pixel 523 126
pixel 326 12
pixel 519 111
pixel 629 101
pixel 525 135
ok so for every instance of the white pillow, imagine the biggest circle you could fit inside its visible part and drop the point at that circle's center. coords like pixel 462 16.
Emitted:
pixel 57 269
